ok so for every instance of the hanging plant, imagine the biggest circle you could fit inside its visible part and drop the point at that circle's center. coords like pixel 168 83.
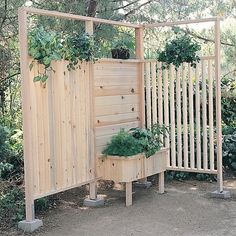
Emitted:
pixel 44 47
pixel 182 48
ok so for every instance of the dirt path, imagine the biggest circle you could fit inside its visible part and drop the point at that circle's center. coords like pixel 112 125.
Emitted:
pixel 185 209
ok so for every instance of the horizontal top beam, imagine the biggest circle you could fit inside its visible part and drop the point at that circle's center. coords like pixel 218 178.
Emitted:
pixel 36 11
pixel 186 22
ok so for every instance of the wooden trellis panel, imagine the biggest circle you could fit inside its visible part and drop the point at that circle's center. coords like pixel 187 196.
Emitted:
pixel 60 129
pixel 184 97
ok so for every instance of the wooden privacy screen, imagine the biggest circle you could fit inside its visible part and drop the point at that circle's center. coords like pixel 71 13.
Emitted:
pixel 61 143
pixel 183 100
pixel 117 100
pixel 60 130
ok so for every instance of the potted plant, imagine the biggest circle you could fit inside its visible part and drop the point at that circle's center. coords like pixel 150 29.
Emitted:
pixel 133 155
pixel 122 48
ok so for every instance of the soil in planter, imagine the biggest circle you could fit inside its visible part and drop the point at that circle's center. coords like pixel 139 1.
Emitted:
pixel 121 53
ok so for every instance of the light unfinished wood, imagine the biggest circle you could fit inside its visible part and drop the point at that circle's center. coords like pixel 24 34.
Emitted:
pixel 179 123
pixel 191 117
pixel 27 117
pixel 148 96
pixel 58 14
pixel 160 97
pixel 161 179
pixel 204 116
pixel 154 92
pixel 128 169
pixel 211 118
pixel 172 117
pixel 198 122
pixel 128 193
pixel 218 104
pixel 185 22
pixel 185 115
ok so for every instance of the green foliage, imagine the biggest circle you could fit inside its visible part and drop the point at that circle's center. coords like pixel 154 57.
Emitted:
pixel 123 144
pixel 229 147
pixel 181 49
pixel 12 206
pixel 46 46
pixel 125 42
pixel 150 139
pixel 79 48
pixel 136 140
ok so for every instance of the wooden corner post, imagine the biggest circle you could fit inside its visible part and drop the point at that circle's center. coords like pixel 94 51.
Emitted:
pixel 92 156
pixel 218 104
pixel 26 107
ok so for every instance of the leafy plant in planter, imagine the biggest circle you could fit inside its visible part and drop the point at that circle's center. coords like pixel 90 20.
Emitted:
pixel 181 49
pixel 46 46
pixel 135 141
pixel 122 48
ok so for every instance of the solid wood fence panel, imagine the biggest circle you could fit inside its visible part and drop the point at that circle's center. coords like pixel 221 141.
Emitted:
pixel 185 103
pixel 117 103
pixel 61 129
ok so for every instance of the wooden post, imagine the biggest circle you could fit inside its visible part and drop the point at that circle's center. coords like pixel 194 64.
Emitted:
pixel 128 193
pixel 26 106
pixel 92 155
pixel 218 104
pixel 161 182
pixel 139 51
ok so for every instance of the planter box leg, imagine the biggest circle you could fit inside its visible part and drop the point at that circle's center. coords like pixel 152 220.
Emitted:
pixel 128 193
pixel 161 182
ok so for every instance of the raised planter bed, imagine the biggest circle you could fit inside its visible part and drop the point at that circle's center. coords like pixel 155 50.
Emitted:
pixel 132 168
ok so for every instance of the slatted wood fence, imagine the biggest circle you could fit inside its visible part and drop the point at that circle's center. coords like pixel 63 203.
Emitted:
pixel 184 101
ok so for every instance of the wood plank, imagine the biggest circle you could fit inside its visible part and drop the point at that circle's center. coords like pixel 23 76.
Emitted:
pixel 172 117
pixel 204 117
pixel 116 109
pixel 179 123
pixel 113 129
pixel 116 100
pixel 154 92
pixel 148 95
pixel 116 90
pixel 211 117
pixel 128 193
pixel 160 96
pixel 198 122
pixel 191 118
pixel 115 81
pixel 116 119
pixel 185 115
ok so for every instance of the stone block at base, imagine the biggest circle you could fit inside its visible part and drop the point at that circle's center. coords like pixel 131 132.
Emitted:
pixel 146 184
pixel 98 202
pixel 30 226
pixel 221 195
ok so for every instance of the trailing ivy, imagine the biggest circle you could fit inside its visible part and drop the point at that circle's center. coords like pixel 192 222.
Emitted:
pixel 47 46
pixel 178 50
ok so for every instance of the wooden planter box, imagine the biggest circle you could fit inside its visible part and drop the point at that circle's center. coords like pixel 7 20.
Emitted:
pixel 128 169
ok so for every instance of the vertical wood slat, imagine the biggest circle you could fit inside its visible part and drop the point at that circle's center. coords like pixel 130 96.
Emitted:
pixel 160 96
pixel 198 124
pixel 218 104
pixel 148 95
pixel 139 51
pixel 185 115
pixel 166 110
pixel 211 118
pixel 154 92
pixel 191 117
pixel 172 117
pixel 204 116
pixel 179 125
pixel 27 116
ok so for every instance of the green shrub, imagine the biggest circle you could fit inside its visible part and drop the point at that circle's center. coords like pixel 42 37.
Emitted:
pixel 123 144
pixel 136 140
pixel 178 50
